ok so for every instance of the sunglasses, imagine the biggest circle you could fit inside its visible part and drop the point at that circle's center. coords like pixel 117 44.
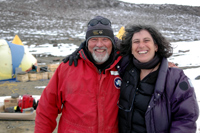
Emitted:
pixel 103 21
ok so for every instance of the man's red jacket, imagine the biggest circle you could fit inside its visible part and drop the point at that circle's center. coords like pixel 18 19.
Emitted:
pixel 86 98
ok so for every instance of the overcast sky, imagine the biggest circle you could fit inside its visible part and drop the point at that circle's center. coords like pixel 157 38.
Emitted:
pixel 178 2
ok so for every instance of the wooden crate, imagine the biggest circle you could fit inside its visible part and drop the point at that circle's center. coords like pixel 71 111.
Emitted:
pixel 53 67
pixel 50 74
pixel 45 75
pixel 22 77
pixel 10 102
pixel 32 76
pixel 39 76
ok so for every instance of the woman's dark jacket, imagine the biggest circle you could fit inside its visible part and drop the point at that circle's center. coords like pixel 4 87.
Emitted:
pixel 173 107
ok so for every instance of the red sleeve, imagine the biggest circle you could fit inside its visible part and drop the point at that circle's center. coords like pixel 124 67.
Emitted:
pixel 49 106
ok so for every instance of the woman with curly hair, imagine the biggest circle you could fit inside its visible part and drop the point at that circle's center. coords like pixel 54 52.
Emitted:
pixel 154 98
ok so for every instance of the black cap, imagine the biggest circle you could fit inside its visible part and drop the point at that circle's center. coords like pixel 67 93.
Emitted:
pixel 100 30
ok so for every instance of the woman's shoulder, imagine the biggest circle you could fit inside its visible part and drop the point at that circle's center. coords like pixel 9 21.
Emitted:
pixel 175 72
pixel 172 70
pixel 177 79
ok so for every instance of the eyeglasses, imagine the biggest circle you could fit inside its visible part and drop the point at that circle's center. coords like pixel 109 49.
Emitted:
pixel 103 21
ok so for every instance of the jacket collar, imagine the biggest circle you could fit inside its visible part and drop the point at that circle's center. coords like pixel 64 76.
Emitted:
pixel 162 74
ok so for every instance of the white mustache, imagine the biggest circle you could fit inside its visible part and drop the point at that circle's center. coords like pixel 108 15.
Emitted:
pixel 104 48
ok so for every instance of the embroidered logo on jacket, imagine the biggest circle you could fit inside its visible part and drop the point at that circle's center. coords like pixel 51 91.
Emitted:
pixel 117 82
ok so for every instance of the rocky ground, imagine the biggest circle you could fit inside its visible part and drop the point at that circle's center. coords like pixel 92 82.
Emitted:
pixel 29 87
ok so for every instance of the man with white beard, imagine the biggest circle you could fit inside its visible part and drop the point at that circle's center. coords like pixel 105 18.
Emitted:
pixel 86 94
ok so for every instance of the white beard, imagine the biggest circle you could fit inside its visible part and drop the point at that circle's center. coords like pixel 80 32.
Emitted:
pixel 98 58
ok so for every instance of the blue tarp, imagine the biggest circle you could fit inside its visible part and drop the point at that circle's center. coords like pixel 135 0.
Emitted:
pixel 17 52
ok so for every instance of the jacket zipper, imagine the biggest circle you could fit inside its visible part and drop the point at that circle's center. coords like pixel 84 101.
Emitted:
pixel 98 101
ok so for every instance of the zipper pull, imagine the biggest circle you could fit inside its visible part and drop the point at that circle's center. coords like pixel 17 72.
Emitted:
pixel 100 71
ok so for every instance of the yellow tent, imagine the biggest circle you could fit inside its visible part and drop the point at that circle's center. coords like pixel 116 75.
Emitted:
pixel 17 40
pixel 14 56
pixel 121 32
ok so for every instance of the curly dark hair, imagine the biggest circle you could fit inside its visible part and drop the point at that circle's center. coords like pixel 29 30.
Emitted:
pixel 164 47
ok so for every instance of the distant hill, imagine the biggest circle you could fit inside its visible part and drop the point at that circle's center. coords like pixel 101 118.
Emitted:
pixel 59 21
